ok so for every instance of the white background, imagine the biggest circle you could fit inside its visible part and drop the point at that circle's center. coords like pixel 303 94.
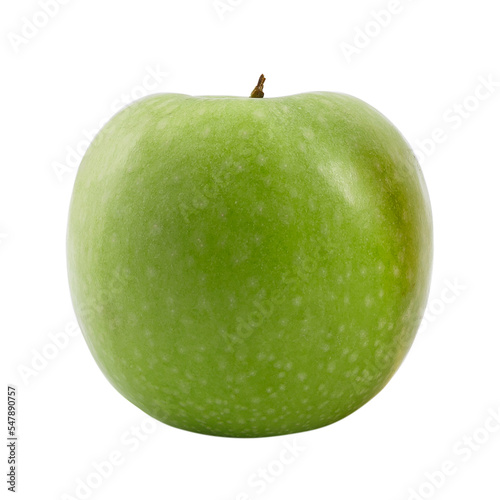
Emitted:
pixel 60 80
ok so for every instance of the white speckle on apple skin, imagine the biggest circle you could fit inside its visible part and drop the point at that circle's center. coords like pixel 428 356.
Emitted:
pixel 261 159
pixel 308 134
pixel 331 367
pixel 259 114
pixel 162 124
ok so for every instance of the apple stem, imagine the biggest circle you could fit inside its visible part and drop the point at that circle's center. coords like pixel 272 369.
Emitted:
pixel 258 91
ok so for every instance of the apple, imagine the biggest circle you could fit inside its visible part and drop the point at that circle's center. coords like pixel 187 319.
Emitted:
pixel 249 266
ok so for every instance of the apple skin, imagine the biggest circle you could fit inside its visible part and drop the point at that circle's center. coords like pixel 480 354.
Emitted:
pixel 249 267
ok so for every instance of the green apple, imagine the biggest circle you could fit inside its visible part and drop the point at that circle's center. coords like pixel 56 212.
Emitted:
pixel 249 266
